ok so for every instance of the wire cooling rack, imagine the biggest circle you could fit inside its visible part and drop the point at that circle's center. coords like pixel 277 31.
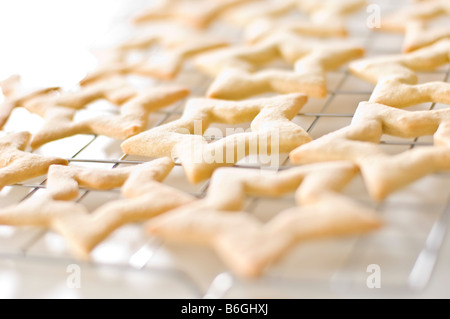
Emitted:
pixel 411 250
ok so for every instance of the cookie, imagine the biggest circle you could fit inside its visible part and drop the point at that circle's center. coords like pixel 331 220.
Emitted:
pixel 383 173
pixel 272 132
pixel 143 198
pixel 114 89
pixel 133 118
pixel 178 44
pixel 418 35
pixel 64 182
pixel 333 11
pixel 261 19
pixel 10 85
pixel 396 79
pixel 204 14
pixel 415 22
pixel 262 28
pixel 17 165
pixel 245 14
pixel 246 244
pixel 422 12
pixel 15 97
pixel 237 74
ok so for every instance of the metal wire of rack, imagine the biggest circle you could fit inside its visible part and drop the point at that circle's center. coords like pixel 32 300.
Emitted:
pixel 197 273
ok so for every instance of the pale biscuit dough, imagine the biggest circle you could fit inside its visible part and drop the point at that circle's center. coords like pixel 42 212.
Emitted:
pixel 249 246
pixel 325 19
pixel 263 28
pixel 17 165
pixel 359 143
pixel 415 22
pixel 396 79
pixel 237 74
pixel 196 13
pixel 114 89
pixel 270 121
pixel 14 97
pixel 143 198
pixel 133 118
pixel 179 45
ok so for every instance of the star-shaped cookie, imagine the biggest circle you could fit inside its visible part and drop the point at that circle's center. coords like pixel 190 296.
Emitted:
pixel 144 196
pixel 237 69
pixel 414 21
pixel 383 173
pixel 196 13
pixel 133 118
pixel 333 11
pixel 424 11
pixel 18 165
pixel 179 44
pixel 396 79
pixel 14 96
pixel 272 132
pixel 262 28
pixel 246 244
pixel 114 89
pixel 260 20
